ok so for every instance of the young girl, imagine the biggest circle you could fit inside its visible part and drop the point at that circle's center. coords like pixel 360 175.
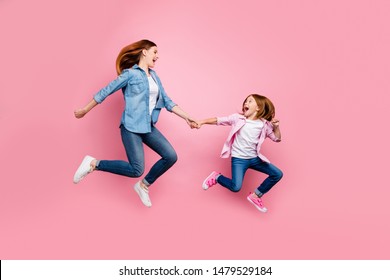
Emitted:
pixel 144 98
pixel 243 144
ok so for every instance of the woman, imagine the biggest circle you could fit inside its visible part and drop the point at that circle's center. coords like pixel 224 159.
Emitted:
pixel 144 97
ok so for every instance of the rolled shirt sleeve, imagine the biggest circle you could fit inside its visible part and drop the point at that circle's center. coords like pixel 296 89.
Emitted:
pixel 120 82
pixel 168 103
pixel 229 120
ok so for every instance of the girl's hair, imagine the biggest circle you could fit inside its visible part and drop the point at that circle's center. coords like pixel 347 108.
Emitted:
pixel 131 54
pixel 266 107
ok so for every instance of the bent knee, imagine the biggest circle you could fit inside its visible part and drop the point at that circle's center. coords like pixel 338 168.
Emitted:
pixel 138 172
pixel 172 158
pixel 278 175
pixel 235 188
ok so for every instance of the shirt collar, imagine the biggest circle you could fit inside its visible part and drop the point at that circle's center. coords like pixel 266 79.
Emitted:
pixel 136 66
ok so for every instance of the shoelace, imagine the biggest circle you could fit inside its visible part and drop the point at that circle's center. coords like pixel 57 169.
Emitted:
pixel 260 202
pixel 144 189
pixel 211 182
pixel 257 201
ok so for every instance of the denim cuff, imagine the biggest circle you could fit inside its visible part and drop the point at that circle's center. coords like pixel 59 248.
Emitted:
pixel 145 182
pixel 258 193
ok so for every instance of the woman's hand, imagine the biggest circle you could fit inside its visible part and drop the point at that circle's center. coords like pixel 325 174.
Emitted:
pixel 79 113
pixel 192 123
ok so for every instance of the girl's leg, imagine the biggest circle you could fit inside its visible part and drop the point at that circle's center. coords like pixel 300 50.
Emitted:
pixel 135 153
pixel 239 167
pixel 274 175
pixel 158 143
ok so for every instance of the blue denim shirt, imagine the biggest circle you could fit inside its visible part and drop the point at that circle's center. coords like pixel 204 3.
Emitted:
pixel 135 87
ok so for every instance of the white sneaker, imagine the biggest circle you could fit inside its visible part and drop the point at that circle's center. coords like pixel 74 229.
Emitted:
pixel 83 170
pixel 143 194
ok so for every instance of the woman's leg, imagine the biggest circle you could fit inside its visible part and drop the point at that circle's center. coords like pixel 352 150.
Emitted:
pixel 135 154
pixel 158 143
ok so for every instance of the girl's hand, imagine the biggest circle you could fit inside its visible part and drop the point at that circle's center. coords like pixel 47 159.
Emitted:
pixel 79 113
pixel 198 124
pixel 192 123
pixel 275 123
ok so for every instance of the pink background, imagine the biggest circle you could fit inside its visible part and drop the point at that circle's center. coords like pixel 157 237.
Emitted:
pixel 325 65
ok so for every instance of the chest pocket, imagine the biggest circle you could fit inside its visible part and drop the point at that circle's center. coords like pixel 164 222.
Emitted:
pixel 137 85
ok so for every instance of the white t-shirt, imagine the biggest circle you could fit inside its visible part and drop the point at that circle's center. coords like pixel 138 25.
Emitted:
pixel 153 87
pixel 246 140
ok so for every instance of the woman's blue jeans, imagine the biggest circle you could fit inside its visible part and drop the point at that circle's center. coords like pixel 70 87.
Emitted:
pixel 240 166
pixel 133 143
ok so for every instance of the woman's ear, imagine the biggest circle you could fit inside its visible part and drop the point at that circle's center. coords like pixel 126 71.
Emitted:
pixel 144 52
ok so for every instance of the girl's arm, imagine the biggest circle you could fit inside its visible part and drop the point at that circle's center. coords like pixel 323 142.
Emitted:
pixel 224 121
pixel 207 121
pixel 79 113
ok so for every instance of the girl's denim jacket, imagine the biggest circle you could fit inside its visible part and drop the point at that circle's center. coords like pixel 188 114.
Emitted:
pixel 237 121
pixel 135 87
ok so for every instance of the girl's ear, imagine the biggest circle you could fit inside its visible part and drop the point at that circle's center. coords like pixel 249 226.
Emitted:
pixel 144 52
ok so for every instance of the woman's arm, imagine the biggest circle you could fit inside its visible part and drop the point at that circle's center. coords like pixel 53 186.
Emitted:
pixel 179 112
pixel 79 113
pixel 99 97
pixel 120 82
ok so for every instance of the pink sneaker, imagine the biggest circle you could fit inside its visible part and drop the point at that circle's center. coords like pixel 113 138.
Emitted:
pixel 210 181
pixel 257 202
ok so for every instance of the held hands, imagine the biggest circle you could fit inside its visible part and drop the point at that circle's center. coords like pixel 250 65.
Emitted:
pixel 198 123
pixel 193 123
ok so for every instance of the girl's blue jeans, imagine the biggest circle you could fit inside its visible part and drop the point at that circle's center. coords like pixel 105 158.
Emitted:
pixel 133 143
pixel 240 166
